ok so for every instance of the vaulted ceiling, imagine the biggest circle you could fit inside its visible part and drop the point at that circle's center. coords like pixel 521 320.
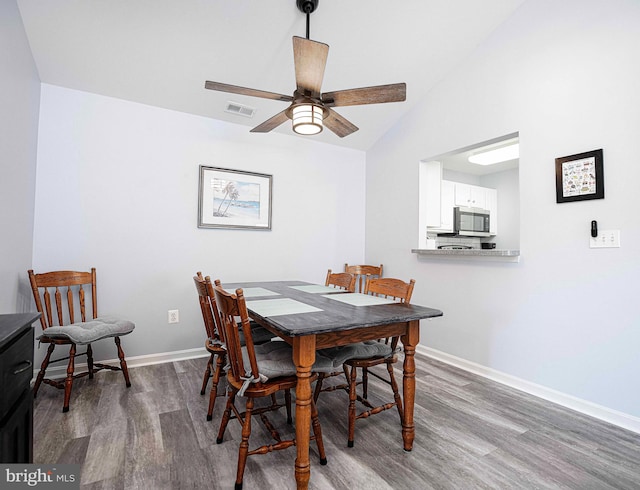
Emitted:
pixel 160 52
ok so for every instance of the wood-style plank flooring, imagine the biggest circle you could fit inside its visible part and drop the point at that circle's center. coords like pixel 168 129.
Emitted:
pixel 470 433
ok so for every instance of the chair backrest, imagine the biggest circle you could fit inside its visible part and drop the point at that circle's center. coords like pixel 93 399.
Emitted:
pixel 77 284
pixel 388 287
pixel 361 271
pixel 341 280
pixel 395 289
pixel 210 314
pixel 230 307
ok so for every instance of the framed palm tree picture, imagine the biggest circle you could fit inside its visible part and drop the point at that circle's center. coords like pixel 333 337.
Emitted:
pixel 230 198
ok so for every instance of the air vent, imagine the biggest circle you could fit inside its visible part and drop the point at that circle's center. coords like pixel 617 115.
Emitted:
pixel 239 109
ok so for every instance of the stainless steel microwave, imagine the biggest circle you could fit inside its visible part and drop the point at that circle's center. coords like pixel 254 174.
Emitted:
pixel 471 221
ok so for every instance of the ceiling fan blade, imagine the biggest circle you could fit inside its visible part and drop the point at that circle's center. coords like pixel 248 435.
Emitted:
pixel 395 92
pixel 271 123
pixel 309 58
pixel 338 124
pixel 234 89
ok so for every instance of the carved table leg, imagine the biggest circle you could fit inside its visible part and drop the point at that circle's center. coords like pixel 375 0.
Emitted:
pixel 304 355
pixel 410 340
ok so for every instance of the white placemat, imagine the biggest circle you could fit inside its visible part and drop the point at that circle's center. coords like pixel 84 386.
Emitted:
pixel 255 292
pixel 317 288
pixel 359 299
pixel 280 306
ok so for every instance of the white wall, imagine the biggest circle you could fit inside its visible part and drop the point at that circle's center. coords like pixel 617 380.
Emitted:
pixel 19 105
pixel 565 75
pixel 117 189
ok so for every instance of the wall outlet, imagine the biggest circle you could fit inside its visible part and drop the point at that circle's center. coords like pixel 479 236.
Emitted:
pixel 173 316
pixel 606 239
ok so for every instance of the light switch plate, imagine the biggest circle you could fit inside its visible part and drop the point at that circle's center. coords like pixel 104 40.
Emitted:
pixel 606 239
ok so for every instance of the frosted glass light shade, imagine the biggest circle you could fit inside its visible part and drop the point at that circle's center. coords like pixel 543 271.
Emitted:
pixel 503 154
pixel 307 119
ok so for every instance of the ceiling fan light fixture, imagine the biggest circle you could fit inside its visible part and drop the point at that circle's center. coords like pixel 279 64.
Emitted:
pixel 307 119
pixel 310 109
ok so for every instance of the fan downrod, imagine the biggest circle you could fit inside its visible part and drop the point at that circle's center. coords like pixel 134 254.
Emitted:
pixel 307 6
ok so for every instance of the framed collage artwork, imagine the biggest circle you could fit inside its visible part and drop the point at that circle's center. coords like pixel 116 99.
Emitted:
pixel 580 177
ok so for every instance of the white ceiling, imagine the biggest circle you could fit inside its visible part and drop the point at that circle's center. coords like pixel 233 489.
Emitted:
pixel 160 52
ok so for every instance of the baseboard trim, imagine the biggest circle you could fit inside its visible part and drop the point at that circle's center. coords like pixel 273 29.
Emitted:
pixel 605 414
pixel 60 371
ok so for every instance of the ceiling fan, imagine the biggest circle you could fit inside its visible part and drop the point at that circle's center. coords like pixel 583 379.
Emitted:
pixel 310 109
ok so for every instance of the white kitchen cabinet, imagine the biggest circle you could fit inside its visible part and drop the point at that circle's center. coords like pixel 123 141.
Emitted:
pixel 432 189
pixel 470 196
pixel 447 194
pixel 439 197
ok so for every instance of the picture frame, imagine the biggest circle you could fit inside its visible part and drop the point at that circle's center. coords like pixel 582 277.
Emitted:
pixel 580 177
pixel 236 199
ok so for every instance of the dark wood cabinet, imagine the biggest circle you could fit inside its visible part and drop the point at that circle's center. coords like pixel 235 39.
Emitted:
pixel 16 403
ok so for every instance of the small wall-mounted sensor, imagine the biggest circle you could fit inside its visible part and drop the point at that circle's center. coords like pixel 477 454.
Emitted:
pixel 594 228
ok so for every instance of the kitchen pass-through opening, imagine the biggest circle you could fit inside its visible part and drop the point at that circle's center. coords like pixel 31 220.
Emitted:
pixel 470 198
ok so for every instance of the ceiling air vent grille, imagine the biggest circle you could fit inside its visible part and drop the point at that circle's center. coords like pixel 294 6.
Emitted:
pixel 239 109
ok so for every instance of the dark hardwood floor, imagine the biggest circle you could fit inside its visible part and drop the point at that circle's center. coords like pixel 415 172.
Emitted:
pixel 470 433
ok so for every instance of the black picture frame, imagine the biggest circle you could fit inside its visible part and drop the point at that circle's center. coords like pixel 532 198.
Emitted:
pixel 580 177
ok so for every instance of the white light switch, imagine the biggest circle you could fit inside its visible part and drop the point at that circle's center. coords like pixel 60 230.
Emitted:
pixel 606 239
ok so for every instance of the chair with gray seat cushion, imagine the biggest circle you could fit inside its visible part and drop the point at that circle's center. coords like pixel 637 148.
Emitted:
pixel 255 372
pixel 347 282
pixel 331 365
pixel 365 355
pixel 214 343
pixel 69 296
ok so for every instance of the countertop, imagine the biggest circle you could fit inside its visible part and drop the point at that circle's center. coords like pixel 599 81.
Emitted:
pixel 474 252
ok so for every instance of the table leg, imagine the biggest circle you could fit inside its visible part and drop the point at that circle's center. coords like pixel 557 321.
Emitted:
pixel 410 341
pixel 304 355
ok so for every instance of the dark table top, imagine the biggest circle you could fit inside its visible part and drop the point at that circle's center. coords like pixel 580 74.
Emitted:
pixel 11 325
pixel 335 315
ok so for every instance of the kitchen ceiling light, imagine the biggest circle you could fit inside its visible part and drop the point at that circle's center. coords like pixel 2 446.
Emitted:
pixel 504 154
pixel 307 119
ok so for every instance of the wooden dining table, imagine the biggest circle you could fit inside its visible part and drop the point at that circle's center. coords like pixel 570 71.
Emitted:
pixel 311 317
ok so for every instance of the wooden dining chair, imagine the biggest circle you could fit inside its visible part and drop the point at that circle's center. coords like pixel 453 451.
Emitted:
pixel 214 343
pixel 344 281
pixel 366 355
pixel 400 291
pixel 341 280
pixel 255 371
pixel 59 326
pixel 361 272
